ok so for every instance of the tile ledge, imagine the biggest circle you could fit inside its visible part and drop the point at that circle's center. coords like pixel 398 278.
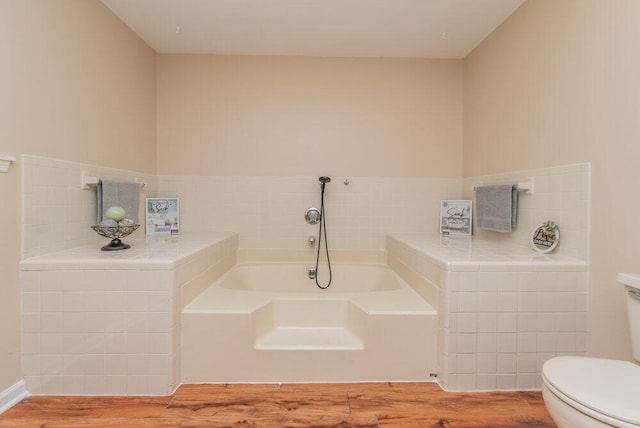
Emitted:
pixel 474 254
pixel 154 252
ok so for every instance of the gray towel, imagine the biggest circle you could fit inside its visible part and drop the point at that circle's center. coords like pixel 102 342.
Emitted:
pixel 116 193
pixel 497 207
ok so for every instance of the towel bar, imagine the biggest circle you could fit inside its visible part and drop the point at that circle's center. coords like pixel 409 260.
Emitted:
pixel 5 162
pixel 88 181
pixel 523 186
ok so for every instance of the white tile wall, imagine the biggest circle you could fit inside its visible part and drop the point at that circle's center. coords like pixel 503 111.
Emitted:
pixel 82 335
pixel 498 322
pixel 98 331
pixel 94 336
pixel 561 194
pixel 530 327
pixel 57 213
pixel 268 212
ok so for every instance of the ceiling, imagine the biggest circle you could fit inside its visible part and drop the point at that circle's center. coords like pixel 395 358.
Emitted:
pixel 353 28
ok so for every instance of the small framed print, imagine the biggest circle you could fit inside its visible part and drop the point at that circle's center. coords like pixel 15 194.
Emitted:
pixel 456 217
pixel 163 216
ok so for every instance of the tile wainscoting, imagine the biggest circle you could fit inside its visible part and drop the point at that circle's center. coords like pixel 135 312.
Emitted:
pixel 99 323
pixel 561 194
pixel 56 213
pixel 268 212
pixel 502 311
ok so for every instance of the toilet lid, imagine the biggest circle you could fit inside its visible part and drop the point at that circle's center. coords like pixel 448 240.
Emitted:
pixel 608 387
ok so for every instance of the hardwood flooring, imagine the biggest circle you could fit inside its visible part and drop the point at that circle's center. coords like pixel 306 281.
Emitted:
pixel 288 405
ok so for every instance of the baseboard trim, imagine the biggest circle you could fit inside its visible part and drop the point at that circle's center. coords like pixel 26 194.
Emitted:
pixel 12 396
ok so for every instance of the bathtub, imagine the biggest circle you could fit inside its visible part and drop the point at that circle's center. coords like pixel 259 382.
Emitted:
pixel 287 278
pixel 270 323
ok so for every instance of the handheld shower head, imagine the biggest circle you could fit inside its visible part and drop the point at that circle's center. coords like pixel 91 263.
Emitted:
pixel 323 226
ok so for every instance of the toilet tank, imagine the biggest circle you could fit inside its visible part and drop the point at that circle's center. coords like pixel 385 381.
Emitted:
pixel 632 291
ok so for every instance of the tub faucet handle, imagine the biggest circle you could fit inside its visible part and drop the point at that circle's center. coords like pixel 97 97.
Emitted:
pixel 312 240
pixel 312 215
pixel 311 272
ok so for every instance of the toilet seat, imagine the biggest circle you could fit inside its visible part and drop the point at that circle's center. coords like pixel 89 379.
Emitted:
pixel 607 390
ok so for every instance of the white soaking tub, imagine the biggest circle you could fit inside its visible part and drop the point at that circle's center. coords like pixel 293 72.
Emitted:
pixel 270 323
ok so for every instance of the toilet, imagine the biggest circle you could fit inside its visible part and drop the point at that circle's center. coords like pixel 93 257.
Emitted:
pixel 583 392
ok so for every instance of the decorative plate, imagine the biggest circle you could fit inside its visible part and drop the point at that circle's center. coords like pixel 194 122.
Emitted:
pixel 545 237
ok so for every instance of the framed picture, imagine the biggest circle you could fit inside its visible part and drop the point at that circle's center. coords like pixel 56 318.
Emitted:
pixel 163 215
pixel 456 217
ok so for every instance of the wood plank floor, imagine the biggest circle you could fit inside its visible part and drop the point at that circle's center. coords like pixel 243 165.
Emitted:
pixel 288 405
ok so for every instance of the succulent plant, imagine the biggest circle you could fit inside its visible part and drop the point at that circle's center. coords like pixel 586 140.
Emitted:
pixel 550 226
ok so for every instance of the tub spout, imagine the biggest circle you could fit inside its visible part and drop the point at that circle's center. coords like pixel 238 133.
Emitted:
pixel 311 272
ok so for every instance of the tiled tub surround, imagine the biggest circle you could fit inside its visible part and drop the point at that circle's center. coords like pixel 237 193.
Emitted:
pixel 99 322
pixel 268 212
pixel 561 194
pixel 503 309
pixel 116 349
pixel 57 213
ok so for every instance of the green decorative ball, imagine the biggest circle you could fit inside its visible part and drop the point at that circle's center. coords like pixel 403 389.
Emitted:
pixel 115 213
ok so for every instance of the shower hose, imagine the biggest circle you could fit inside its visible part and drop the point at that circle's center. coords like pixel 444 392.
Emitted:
pixel 323 226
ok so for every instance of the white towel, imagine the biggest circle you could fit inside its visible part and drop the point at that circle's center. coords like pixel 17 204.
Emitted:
pixel 125 194
pixel 497 207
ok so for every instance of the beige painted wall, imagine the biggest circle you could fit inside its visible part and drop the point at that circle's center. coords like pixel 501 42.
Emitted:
pixel 559 83
pixel 288 116
pixel 79 85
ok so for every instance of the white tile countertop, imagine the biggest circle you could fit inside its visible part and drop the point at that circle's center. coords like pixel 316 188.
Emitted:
pixel 151 252
pixel 630 279
pixel 472 253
